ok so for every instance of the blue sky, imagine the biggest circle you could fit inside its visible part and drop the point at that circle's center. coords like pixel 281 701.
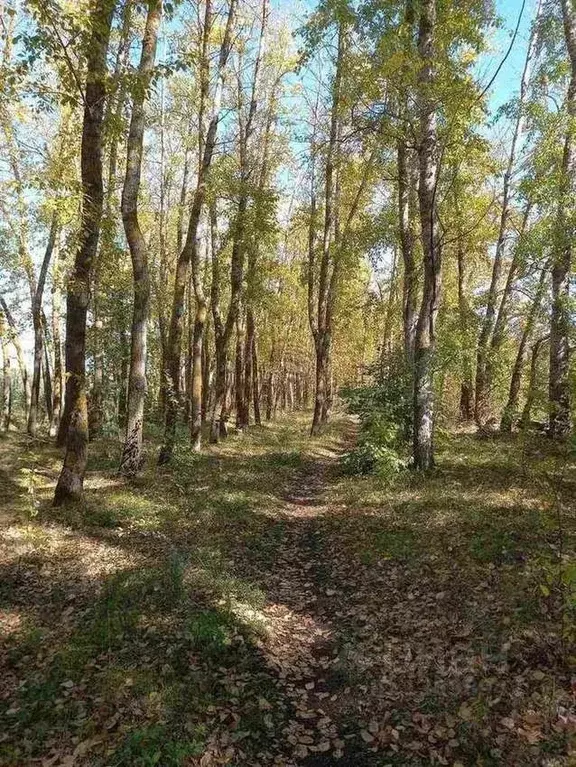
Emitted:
pixel 508 80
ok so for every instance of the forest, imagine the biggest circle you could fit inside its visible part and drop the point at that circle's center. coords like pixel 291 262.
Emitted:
pixel 287 321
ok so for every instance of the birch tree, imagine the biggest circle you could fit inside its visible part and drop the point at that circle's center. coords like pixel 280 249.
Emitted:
pixel 132 452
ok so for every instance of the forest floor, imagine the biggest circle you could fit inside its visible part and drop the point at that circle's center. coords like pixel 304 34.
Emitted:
pixel 252 606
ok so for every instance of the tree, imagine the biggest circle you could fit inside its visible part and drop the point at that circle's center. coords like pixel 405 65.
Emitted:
pixel 559 385
pixel 483 362
pixel 71 479
pixel 39 326
pixel 132 452
pixel 428 179
pixel 320 318
pixel 190 251
pixel 509 415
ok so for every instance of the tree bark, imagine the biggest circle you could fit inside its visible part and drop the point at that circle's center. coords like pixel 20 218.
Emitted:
pixel 6 402
pixel 410 288
pixel 123 378
pixel 467 385
pixel 532 382
pixel 428 176
pixel 32 426
pixel 509 414
pixel 319 317
pixel 113 132
pixel 46 374
pixel 239 388
pixel 131 459
pixel 58 378
pixel 6 388
pixel 15 338
pixel 386 350
pixel 255 377
pixel 71 480
pixel 206 373
pixel 559 383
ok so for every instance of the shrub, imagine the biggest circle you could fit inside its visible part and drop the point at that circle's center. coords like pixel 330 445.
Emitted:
pixel 384 412
pixel 368 458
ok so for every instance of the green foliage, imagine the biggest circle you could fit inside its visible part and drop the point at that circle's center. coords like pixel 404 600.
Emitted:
pixel 390 396
pixel 152 746
pixel 369 457
pixel 211 632
pixel 384 411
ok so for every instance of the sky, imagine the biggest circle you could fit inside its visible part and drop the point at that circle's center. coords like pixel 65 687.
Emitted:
pixel 508 79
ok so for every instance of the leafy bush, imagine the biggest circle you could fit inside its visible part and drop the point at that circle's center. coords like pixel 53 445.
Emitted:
pixel 384 412
pixel 367 458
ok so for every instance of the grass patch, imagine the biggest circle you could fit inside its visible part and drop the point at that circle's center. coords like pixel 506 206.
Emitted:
pixel 155 745
pixel 401 544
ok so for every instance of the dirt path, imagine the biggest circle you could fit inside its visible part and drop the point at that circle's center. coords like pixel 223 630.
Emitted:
pixel 400 659
pixel 305 649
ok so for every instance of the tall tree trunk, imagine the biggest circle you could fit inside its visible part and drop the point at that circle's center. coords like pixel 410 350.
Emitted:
pixel 190 252
pixel 320 324
pixel 532 382
pixel 6 386
pixel 248 363
pixel 481 405
pixel 58 378
pixel 255 381
pixel 409 290
pixel 386 350
pixel 15 338
pixel 47 377
pixel 428 167
pixel 509 414
pixel 71 479
pixel 321 385
pixel 218 406
pixel 467 385
pixel 163 264
pixel 219 348
pixel 113 132
pixel 240 390
pixel 131 459
pixel 501 322
pixel 206 373
pixel 190 312
pixel 123 378
pixel 6 396
pixel 560 321
pixel 96 395
pixel 406 182
pixel 270 396
pixel 198 390
pixel 38 328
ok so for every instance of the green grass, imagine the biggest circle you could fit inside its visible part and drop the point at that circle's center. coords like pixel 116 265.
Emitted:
pixel 156 598
pixel 152 746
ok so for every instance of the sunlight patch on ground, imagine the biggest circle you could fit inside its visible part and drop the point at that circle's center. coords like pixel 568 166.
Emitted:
pixel 10 622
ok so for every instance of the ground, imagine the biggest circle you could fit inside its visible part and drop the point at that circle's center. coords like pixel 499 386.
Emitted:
pixel 253 606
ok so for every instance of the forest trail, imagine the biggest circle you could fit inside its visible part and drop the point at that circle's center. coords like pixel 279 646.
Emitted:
pixel 252 606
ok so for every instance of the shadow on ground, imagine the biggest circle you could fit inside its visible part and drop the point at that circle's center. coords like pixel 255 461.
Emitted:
pixel 251 606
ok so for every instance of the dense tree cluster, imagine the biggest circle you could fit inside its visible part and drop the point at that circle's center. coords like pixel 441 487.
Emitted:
pixel 210 213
